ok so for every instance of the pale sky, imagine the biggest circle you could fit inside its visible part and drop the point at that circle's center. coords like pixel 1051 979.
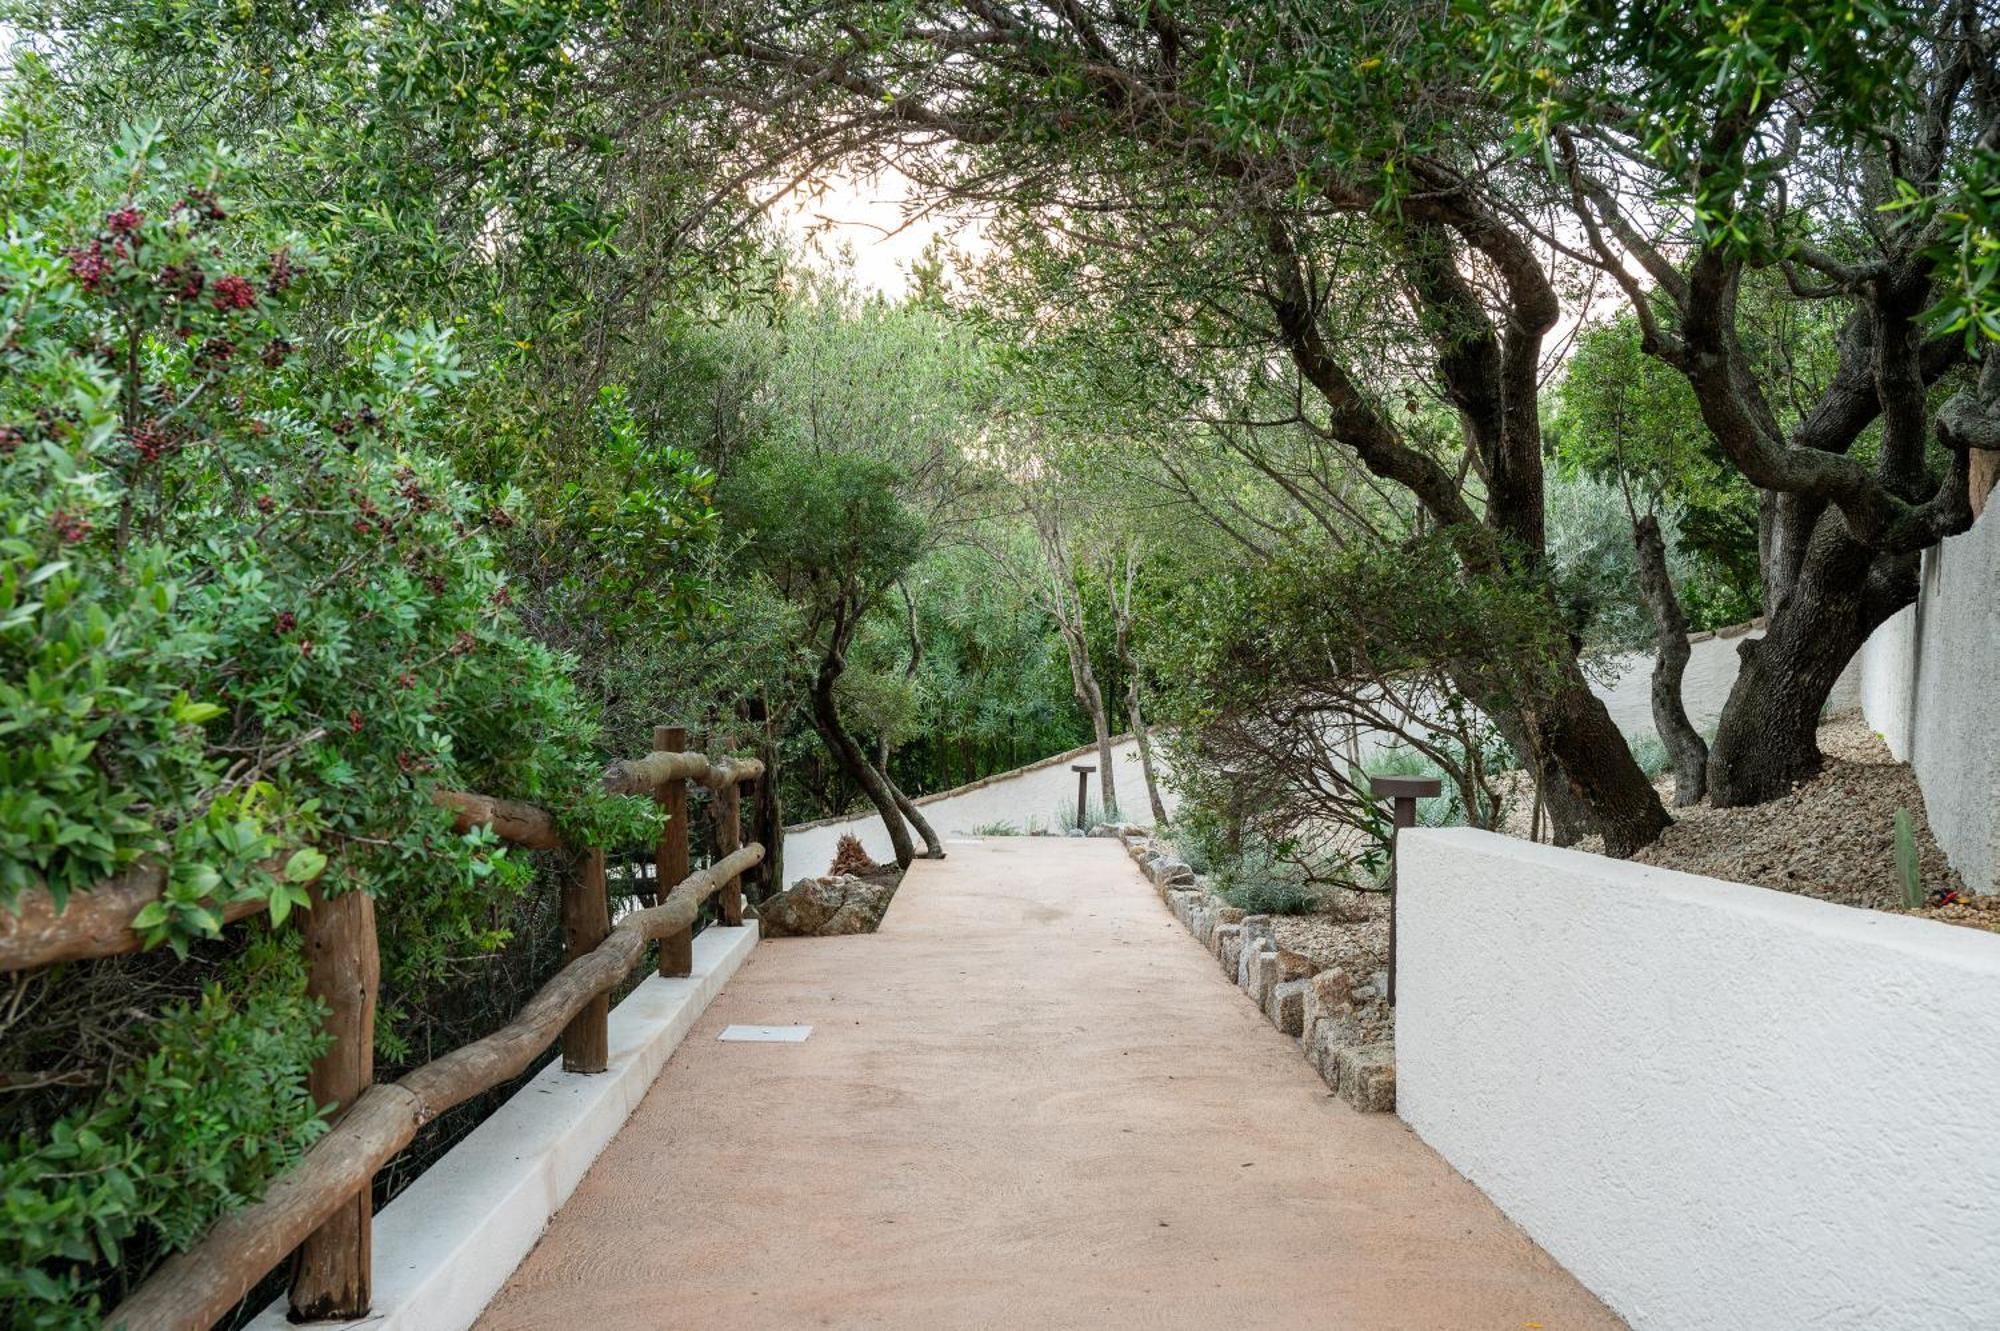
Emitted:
pixel 865 216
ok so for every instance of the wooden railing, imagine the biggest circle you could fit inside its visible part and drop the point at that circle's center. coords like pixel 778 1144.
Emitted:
pixel 323 1207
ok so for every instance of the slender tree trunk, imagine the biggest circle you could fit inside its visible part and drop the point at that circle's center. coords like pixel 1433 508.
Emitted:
pixel 933 848
pixel 1121 612
pixel 1656 588
pixel 1145 746
pixel 1092 698
pixel 1768 738
pixel 846 753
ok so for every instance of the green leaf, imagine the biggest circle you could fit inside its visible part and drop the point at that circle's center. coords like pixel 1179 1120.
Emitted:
pixel 305 865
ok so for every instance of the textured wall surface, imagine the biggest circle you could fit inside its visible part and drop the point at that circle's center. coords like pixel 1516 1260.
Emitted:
pixel 1711 672
pixel 1927 687
pixel 1034 793
pixel 1719 1106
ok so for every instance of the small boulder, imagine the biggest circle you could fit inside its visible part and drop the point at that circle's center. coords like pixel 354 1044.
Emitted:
pixel 1365 1077
pixel 1286 1006
pixel 1229 947
pixel 821 907
pixel 1261 975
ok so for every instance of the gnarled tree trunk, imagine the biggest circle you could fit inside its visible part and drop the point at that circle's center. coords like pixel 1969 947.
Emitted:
pixel 852 761
pixel 1768 738
pixel 1685 745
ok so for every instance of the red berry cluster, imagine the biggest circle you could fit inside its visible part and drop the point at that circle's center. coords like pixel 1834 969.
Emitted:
pixel 11 438
pixel 216 351
pixel 275 353
pixel 152 441
pixel 282 272
pixel 123 221
pixel 354 722
pixel 233 292
pixel 183 283
pixel 88 265
pixel 286 622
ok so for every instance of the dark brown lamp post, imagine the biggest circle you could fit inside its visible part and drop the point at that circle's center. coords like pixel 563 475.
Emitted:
pixel 1405 791
pixel 1083 771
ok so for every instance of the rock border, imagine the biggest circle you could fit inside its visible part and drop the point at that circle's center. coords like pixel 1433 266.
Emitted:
pixel 1313 1004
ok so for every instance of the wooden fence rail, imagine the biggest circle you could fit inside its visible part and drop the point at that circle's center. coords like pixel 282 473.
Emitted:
pixel 322 1208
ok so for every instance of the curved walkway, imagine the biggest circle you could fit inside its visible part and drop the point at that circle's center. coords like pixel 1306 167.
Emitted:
pixel 1031 1100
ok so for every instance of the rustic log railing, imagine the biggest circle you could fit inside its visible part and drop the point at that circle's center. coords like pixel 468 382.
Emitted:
pixel 322 1208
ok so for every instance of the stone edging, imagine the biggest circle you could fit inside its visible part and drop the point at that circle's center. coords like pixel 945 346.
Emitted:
pixel 1308 1002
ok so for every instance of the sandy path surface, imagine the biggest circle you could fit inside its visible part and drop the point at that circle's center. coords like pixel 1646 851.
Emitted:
pixel 1030 1101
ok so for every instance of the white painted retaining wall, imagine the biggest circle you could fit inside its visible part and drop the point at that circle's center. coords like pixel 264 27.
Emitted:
pixel 1719 1106
pixel 1927 679
pixel 1711 673
pixel 448 1242
pixel 1036 793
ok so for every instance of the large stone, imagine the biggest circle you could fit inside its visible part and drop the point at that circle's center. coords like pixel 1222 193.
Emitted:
pixel 1329 1005
pixel 1262 975
pixel 1257 938
pixel 1171 872
pixel 1229 947
pixel 835 904
pixel 1295 965
pixel 1206 916
pixel 1286 1006
pixel 1365 1077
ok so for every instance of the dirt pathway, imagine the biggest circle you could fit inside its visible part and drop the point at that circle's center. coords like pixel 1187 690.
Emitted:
pixel 1030 1101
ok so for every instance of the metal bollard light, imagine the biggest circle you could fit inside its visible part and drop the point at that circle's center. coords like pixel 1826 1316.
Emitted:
pixel 1083 771
pixel 1405 791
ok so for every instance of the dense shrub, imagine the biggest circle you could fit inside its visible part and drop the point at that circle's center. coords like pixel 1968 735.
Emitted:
pixel 247 621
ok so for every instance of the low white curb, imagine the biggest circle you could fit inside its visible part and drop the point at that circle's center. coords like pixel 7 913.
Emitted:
pixel 448 1242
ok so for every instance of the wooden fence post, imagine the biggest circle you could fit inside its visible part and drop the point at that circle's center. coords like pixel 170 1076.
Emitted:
pixel 332 1276
pixel 670 858
pixel 728 836
pixel 586 920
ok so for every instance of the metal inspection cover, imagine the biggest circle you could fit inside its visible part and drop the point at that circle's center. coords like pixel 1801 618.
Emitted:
pixel 766 1034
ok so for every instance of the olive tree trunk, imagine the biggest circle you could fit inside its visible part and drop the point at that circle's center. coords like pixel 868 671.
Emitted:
pixel 1768 738
pixel 841 745
pixel 1685 745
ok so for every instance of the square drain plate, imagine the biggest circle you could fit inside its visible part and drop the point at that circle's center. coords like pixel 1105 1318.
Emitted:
pixel 766 1034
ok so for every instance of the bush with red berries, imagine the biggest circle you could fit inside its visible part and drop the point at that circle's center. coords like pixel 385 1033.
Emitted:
pixel 248 615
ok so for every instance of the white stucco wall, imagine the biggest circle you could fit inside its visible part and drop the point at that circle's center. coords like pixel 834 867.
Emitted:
pixel 1711 672
pixel 1036 792
pixel 1719 1106
pixel 1028 793
pixel 1927 680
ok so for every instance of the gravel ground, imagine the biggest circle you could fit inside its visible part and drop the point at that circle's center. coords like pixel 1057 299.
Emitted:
pixel 1360 948
pixel 1832 837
